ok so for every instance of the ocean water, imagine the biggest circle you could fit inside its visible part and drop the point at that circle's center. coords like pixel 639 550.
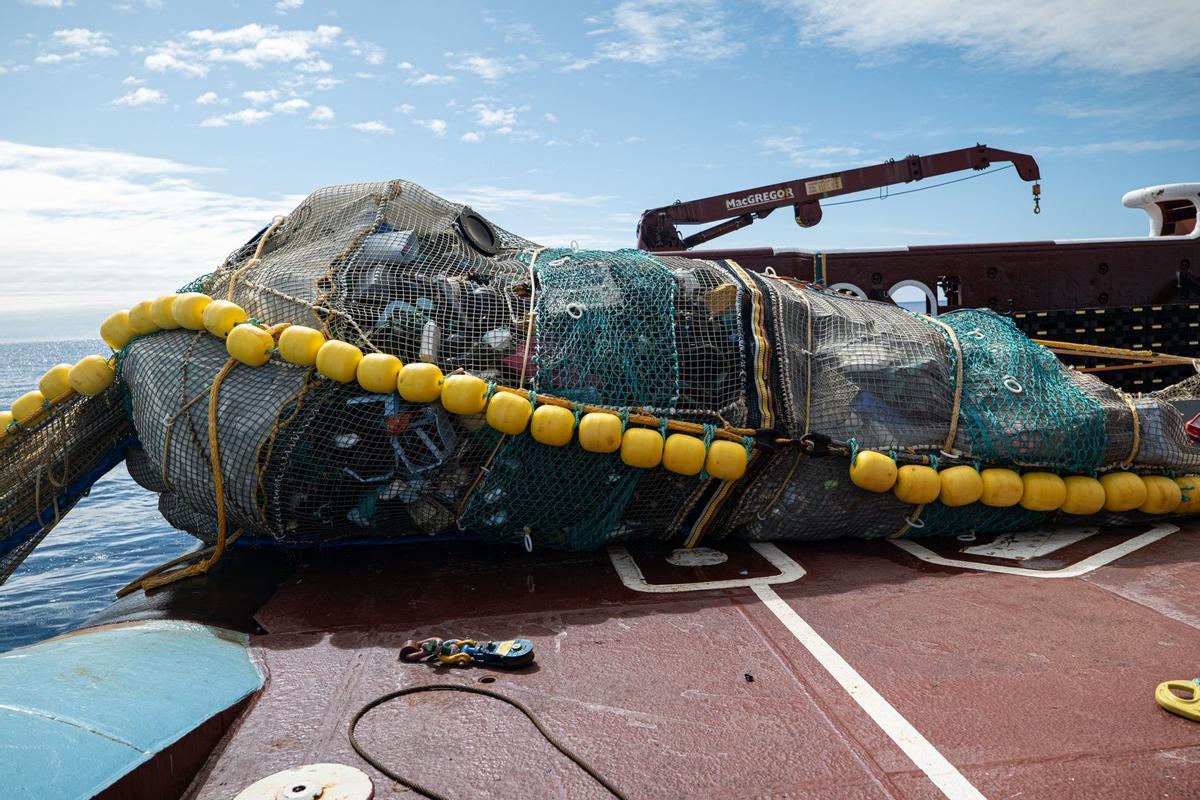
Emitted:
pixel 108 539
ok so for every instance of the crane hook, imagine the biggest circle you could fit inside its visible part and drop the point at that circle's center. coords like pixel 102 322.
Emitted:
pixel 1037 198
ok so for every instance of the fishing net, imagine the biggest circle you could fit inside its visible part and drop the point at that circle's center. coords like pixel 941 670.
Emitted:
pixel 392 268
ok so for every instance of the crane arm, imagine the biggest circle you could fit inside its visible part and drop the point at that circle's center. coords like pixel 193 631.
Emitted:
pixel 657 229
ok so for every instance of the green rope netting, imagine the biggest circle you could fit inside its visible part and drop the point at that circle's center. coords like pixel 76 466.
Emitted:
pixel 1018 403
pixel 940 520
pixel 605 335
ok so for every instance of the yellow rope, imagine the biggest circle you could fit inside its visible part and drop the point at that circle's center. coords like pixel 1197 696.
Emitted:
pixel 1137 431
pixel 255 259
pixel 958 380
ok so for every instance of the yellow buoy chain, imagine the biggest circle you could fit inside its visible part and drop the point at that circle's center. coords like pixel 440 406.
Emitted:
pixel 685 448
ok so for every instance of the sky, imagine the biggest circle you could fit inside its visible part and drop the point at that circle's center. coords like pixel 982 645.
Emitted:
pixel 143 140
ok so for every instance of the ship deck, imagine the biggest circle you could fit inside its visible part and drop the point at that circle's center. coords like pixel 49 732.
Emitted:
pixel 1018 668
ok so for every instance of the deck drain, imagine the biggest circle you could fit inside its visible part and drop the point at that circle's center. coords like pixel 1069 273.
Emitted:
pixel 696 557
pixel 312 782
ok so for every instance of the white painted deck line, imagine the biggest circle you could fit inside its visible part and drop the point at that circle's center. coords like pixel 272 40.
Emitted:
pixel 944 775
pixel 631 574
pixel 1083 567
pixel 924 755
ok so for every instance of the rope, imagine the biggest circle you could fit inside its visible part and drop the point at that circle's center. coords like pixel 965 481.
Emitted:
pixel 255 259
pixel 529 328
pixel 1137 431
pixel 958 379
pixel 453 687
pixel 160 576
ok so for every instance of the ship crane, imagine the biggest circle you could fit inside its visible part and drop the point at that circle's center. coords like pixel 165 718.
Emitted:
pixel 658 231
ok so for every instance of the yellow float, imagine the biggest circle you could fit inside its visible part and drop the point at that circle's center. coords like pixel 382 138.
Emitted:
pixel 1162 495
pixel 600 432
pixel 872 471
pixel 55 385
pixel 1189 491
pixel 6 419
pixel 961 486
pixel 727 460
pixel 683 454
pixel 642 448
pixel 220 317
pixel 917 484
pixel 29 408
pixel 1123 491
pixel 160 312
pixel 92 375
pixel 553 426
pixel 1044 491
pixel 1084 495
pixel 464 394
pixel 250 345
pixel 338 360
pixel 420 382
pixel 140 320
pixel 300 345
pixel 508 413
pixel 115 330
pixel 378 372
pixel 188 310
pixel 1002 488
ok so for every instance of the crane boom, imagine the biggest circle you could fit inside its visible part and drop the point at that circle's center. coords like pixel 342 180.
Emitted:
pixel 657 229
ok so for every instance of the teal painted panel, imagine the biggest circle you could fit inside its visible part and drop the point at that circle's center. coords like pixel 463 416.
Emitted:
pixel 46 758
pixel 85 709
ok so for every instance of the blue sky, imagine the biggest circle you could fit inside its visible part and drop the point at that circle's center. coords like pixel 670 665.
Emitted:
pixel 143 140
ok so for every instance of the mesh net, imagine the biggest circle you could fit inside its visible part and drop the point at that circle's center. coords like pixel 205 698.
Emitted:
pixel 392 268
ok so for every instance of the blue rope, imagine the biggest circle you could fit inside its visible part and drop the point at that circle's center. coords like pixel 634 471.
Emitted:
pixel 852 443
pixel 748 443
pixel 933 461
pixel 624 415
pixel 663 427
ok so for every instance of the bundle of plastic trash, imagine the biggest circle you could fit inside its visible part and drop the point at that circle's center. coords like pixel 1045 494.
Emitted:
pixel 701 399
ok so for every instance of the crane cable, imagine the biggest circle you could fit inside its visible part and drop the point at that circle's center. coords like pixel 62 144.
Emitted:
pixel 882 196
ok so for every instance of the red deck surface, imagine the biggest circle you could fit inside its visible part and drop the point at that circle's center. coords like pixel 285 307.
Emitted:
pixel 1030 687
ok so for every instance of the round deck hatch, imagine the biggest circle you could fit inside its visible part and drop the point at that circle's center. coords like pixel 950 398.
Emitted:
pixel 312 782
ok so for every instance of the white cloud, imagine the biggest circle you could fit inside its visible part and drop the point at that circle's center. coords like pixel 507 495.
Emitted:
pixel 108 201
pixel 322 114
pixel 284 6
pixel 252 46
pixel 46 3
pixel 802 154
pixel 207 99
pixel 430 79
pixel 141 96
pixel 662 31
pixel 406 109
pixel 247 116
pixel 549 117
pixel 368 51
pixel 76 44
pixel 132 81
pixel 404 65
pixel 291 106
pixel 494 198
pixel 472 137
pixel 495 116
pixel 435 126
pixel 374 127
pixel 260 96
pixel 488 68
pixel 1110 36
pixel 165 60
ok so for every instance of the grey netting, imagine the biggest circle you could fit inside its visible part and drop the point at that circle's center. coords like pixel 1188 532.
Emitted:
pixel 392 268
pixel 45 469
